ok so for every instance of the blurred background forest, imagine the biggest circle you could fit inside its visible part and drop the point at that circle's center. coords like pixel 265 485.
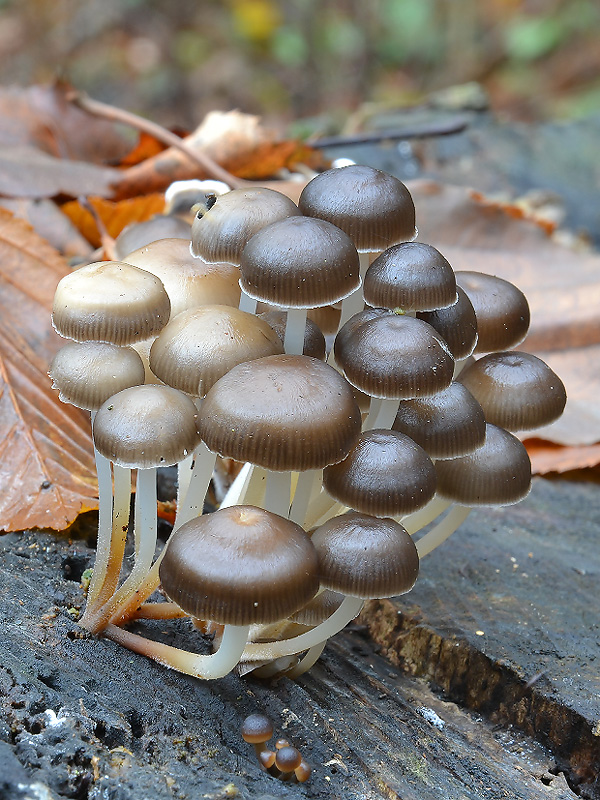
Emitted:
pixel 318 60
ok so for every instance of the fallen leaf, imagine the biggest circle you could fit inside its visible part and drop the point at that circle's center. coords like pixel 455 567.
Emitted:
pixel 47 220
pixel 47 468
pixel 42 118
pixel 548 457
pixel 234 140
pixel 147 147
pixel 115 215
pixel 561 285
pixel 27 172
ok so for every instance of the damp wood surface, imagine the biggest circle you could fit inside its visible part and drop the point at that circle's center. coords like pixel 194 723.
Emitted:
pixel 481 684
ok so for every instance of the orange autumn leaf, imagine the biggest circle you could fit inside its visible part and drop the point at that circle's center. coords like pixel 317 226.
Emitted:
pixel 46 460
pixel 114 215
pixel 146 147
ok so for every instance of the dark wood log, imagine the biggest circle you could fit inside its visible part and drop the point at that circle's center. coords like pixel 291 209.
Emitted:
pixel 83 718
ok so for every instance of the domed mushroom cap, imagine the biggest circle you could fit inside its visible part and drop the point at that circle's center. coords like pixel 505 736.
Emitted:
pixel 446 425
pixel 375 209
pixel 190 282
pixel 502 310
pixel 412 276
pixel 300 262
pixel 146 426
pixel 200 345
pixel 256 729
pixel 517 391
pixel 281 412
pixel 110 301
pixel 497 474
pixel 88 373
pixel 240 565
pixel 140 234
pixel 314 340
pixel 393 355
pixel 456 324
pixel 224 230
pixel 385 474
pixel 366 556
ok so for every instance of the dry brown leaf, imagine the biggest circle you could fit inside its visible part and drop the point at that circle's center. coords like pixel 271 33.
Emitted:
pixel 41 117
pixel 46 219
pixel 234 140
pixel 27 172
pixel 114 215
pixel 549 457
pixel 47 469
pixel 562 286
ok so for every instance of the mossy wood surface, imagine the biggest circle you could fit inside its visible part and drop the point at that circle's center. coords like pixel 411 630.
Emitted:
pixel 82 718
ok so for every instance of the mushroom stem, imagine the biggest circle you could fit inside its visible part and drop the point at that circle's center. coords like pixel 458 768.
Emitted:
pixel 305 486
pixel 128 610
pixel 120 525
pixel 445 528
pixel 354 303
pixel 277 493
pixel 347 611
pixel 206 667
pixel 193 502
pixel 293 341
pixel 104 541
pixel 419 519
pixel 145 538
pixel 184 476
pixel 247 303
pixel 309 660
pixel 322 504
pixel 382 415
pixel 159 611
pixel 239 487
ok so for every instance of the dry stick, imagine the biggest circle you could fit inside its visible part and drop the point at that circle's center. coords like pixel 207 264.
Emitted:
pixel 115 114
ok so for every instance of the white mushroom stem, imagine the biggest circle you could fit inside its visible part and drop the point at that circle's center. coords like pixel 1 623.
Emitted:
pixel 354 303
pixel 277 493
pixel 105 511
pixel 247 303
pixel 239 487
pixel 193 502
pixel 267 651
pixel 382 415
pixel 145 540
pixel 306 484
pixel 444 529
pixel 184 476
pixel 307 661
pixel 320 506
pixel 419 519
pixel 206 667
pixel 293 341
pixel 107 575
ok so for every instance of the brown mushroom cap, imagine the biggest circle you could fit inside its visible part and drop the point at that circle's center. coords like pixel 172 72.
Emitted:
pixel 365 556
pixel 517 391
pixel 146 426
pixel 457 325
pixel 190 282
pixel 501 309
pixel 497 474
pixel 375 209
pixel 412 276
pixel 446 425
pixel 200 345
pixel 240 565
pixel 110 301
pixel 224 230
pixel 299 262
pixel 314 340
pixel 257 729
pixel 392 355
pixel 283 413
pixel 385 474
pixel 88 373
pixel 318 609
pixel 287 759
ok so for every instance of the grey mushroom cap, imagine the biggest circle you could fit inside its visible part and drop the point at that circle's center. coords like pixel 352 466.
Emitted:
pixel 240 565
pixel 88 373
pixel 374 208
pixel 223 231
pixel 412 276
pixel 517 391
pixel 286 412
pixel 146 426
pixel 110 301
pixel 496 474
pixel 364 556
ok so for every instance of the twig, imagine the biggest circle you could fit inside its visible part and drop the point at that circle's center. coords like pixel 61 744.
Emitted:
pixel 444 128
pixel 115 114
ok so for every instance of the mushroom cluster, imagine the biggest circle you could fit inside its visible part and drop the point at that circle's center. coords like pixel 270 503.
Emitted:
pixel 366 388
